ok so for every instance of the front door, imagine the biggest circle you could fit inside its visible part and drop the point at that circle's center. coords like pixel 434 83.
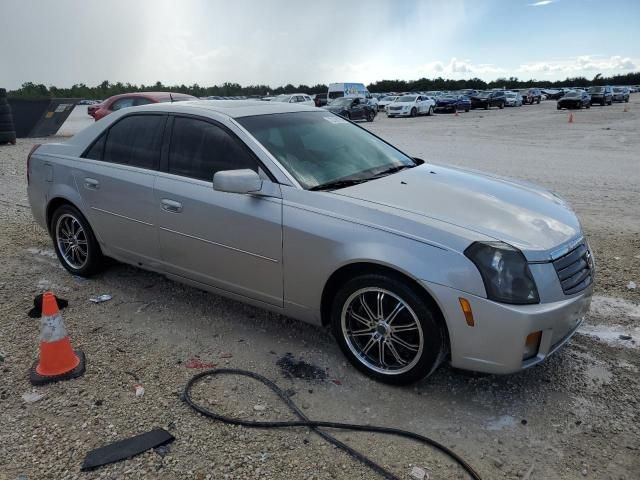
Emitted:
pixel 227 240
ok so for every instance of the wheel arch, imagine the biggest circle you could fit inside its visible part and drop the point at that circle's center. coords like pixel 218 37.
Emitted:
pixel 340 276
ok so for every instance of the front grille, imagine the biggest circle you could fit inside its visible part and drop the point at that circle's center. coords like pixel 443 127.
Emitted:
pixel 575 270
pixel 395 108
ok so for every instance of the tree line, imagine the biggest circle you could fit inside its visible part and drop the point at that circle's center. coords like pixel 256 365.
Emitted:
pixel 227 89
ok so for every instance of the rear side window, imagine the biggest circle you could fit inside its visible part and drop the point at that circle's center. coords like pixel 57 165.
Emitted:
pixel 95 152
pixel 136 141
pixel 122 103
pixel 199 149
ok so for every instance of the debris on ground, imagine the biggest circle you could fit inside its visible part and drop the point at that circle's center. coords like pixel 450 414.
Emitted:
pixel 625 337
pixel 197 363
pixel 32 397
pixel 419 473
pixel 226 355
pixel 631 286
pixel 293 368
pixel 101 298
pixel 139 389
pixel 259 408
pixel 124 449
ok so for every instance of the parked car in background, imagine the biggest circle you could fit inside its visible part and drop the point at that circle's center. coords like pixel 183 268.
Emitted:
pixel 434 93
pixel 276 205
pixel 531 96
pixel 118 102
pixel 513 99
pixel 339 90
pixel 487 100
pixel 385 101
pixel 452 103
pixel 553 93
pixel 575 99
pixel 411 106
pixel 353 108
pixel 601 94
pixel 620 94
pixel 320 99
pixel 300 98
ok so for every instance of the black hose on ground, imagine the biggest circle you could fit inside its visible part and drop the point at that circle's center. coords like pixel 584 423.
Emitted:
pixel 316 425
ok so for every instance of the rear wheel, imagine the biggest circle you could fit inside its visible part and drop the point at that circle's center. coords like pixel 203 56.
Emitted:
pixel 538 102
pixel 74 242
pixel 386 329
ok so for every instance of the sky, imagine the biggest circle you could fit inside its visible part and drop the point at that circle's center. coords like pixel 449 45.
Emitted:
pixel 275 42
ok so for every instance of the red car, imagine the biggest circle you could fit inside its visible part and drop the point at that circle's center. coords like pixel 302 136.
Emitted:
pixel 125 100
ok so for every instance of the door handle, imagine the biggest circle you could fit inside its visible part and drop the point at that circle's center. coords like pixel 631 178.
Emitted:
pixel 171 205
pixel 91 183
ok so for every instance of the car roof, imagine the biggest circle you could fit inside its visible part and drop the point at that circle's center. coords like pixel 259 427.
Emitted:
pixel 154 95
pixel 230 108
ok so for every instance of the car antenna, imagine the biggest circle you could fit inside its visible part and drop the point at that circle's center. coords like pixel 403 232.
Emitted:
pixel 171 97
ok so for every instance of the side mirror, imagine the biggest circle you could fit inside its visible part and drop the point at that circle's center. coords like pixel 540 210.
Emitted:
pixel 237 181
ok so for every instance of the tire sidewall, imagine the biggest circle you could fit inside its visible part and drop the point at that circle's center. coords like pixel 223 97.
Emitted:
pixel 432 332
pixel 94 255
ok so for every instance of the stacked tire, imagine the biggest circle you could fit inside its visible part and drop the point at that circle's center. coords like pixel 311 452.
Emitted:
pixel 7 129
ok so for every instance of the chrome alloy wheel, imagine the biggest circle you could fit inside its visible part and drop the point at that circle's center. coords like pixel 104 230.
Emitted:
pixel 71 240
pixel 382 331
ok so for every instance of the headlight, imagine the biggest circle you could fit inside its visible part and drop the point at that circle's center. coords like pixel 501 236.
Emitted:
pixel 505 272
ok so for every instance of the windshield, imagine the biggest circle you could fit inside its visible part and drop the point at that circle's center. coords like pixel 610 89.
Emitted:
pixel 618 89
pixel 388 99
pixel 319 147
pixel 282 98
pixel 596 89
pixel 406 98
pixel 484 94
pixel 510 94
pixel 341 102
pixel 572 94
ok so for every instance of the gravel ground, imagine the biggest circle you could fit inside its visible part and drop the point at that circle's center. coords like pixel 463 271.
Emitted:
pixel 575 416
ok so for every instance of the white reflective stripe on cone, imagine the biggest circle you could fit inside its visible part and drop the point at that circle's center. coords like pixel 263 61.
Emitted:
pixel 52 328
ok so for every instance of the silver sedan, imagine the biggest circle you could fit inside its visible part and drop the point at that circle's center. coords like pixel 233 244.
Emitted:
pixel 301 212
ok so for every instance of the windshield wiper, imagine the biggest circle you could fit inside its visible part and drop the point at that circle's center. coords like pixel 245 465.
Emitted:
pixel 391 170
pixel 340 184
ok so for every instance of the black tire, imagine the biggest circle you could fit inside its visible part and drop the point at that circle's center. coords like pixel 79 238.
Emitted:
pixel 588 105
pixel 414 112
pixel 430 111
pixel 94 259
pixel 538 102
pixel 611 102
pixel 501 106
pixel 420 312
pixel 348 116
pixel 559 107
pixel 370 116
pixel 486 107
pixel 466 110
pixel 626 100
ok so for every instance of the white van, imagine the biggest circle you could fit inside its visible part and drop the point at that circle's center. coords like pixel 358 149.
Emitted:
pixel 339 90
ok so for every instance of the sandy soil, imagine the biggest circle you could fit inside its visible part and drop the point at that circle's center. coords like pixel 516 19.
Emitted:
pixel 575 416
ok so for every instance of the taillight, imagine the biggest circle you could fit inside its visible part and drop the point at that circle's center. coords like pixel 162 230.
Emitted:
pixel 33 149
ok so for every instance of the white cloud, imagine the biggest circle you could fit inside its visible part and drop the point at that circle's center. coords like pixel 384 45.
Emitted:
pixel 542 3
pixel 581 64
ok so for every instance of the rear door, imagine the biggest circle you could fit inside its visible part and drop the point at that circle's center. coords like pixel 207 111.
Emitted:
pixel 116 183
pixel 227 240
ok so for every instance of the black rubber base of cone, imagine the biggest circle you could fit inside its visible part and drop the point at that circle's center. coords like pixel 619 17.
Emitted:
pixel 37 379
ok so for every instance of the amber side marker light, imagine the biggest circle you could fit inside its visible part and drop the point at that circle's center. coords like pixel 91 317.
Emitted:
pixel 532 344
pixel 466 309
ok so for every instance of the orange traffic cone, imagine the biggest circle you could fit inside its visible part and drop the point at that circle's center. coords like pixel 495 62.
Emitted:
pixel 58 360
pixel 570 117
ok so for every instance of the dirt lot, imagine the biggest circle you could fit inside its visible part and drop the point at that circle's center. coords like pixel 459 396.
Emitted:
pixel 575 416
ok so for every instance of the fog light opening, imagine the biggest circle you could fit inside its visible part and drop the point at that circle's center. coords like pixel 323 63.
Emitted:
pixel 532 345
pixel 466 309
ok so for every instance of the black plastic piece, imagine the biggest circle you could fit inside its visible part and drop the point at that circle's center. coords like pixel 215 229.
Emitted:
pixel 124 449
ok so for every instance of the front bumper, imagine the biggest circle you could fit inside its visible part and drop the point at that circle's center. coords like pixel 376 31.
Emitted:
pixel 399 113
pixel 496 343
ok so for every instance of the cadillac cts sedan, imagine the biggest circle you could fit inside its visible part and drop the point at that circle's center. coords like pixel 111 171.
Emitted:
pixel 302 212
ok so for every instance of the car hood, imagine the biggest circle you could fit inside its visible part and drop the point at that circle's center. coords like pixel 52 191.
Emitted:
pixel 521 214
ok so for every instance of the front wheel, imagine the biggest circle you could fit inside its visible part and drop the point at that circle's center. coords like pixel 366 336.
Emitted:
pixel 370 116
pixel 74 242
pixel 430 111
pixel 501 106
pixel 414 112
pixel 387 330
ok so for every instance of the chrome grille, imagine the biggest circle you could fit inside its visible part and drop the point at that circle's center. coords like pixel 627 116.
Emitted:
pixel 395 108
pixel 575 270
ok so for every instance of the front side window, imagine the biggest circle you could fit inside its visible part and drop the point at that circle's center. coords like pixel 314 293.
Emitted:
pixel 318 148
pixel 136 141
pixel 199 149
